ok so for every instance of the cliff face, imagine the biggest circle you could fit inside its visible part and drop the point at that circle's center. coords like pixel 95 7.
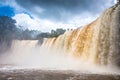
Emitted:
pixel 96 43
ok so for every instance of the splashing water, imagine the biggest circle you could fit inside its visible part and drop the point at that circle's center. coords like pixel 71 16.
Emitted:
pixel 93 48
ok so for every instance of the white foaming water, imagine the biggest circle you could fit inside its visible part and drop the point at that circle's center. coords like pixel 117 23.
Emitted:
pixel 95 48
pixel 28 55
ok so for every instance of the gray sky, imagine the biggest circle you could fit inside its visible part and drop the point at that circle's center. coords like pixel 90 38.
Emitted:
pixel 45 15
pixel 61 10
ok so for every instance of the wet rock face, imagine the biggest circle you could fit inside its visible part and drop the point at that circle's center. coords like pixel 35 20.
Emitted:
pixel 117 24
pixel 115 37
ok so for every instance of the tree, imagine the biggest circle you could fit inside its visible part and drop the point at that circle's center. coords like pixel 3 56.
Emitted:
pixel 8 32
pixel 54 33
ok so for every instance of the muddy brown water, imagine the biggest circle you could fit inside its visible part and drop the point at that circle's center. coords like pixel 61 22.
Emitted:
pixel 32 74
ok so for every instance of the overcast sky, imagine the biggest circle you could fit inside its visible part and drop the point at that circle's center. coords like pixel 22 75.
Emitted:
pixel 45 15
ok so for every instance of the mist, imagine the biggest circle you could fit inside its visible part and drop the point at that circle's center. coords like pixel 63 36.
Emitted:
pixel 27 54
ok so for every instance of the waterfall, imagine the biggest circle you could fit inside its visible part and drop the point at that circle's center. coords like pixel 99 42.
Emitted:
pixel 94 47
pixel 97 43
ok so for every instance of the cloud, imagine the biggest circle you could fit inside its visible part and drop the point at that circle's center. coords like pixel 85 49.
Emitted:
pixel 26 21
pixel 115 1
pixel 45 15
pixel 61 10
pixel 36 23
pixel 46 25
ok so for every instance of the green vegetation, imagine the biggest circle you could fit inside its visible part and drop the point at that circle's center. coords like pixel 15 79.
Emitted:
pixel 54 33
pixel 9 31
